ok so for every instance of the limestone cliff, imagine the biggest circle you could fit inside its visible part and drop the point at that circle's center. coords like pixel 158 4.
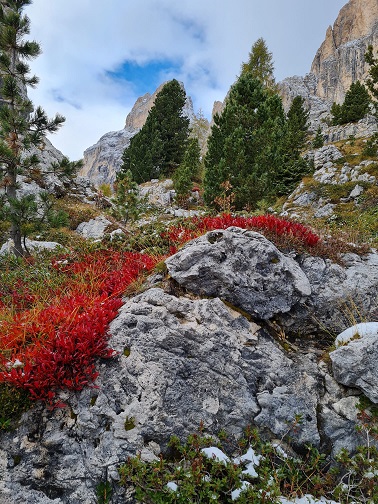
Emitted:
pixel 103 160
pixel 340 59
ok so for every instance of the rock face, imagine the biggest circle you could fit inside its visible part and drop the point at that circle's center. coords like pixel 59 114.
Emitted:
pixel 338 63
pixel 103 160
pixel 340 59
pixel 49 182
pixel 180 361
pixel 315 197
pixel 158 193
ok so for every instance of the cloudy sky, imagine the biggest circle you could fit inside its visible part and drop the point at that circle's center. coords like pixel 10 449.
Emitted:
pixel 100 56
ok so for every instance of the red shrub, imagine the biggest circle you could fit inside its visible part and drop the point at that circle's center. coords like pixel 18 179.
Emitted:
pixel 178 235
pixel 55 347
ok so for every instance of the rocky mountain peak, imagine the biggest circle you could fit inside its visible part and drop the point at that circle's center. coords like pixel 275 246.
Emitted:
pixel 355 20
pixel 340 59
pixel 338 63
pixel 138 114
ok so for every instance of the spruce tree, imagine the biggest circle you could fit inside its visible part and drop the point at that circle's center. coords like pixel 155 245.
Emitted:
pixel 239 148
pixel 187 172
pixel 292 166
pixel 126 201
pixel 21 126
pixel 158 148
pixel 372 80
pixel 297 125
pixel 318 141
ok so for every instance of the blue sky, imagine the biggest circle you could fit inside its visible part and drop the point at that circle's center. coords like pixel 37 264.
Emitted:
pixel 99 57
pixel 144 77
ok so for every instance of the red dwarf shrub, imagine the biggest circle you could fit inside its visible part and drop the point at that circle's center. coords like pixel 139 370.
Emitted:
pixel 53 345
pixel 276 227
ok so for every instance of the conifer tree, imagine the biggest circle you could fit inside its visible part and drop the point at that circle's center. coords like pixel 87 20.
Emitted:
pixel 355 106
pixel 372 80
pixel 292 166
pixel 260 64
pixel 319 139
pixel 126 200
pixel 253 146
pixel 158 148
pixel 21 126
pixel 297 125
pixel 187 172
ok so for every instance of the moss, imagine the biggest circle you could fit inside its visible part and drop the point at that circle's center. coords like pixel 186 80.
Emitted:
pixel 13 402
pixel 129 423
pixel 161 267
pixel 16 459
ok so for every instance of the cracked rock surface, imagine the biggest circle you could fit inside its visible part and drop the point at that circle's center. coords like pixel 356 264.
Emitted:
pixel 180 361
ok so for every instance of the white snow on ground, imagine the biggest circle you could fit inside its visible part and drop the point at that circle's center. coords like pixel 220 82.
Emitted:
pixel 254 461
pixel 215 453
pixel 307 499
pixel 361 330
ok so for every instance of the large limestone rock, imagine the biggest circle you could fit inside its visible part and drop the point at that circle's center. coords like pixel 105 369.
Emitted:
pixel 242 267
pixel 103 160
pixel 355 362
pixel 93 229
pixel 305 295
pixel 180 361
pixel 31 245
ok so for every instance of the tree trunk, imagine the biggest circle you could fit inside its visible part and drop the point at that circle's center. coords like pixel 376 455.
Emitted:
pixel 15 234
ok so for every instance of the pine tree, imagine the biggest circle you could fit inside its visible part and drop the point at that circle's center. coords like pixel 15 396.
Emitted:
pixel 158 148
pixel 355 106
pixel 242 148
pixel 253 146
pixel 260 64
pixel 372 80
pixel 297 124
pixel 21 126
pixel 126 201
pixel 187 172
pixel 319 139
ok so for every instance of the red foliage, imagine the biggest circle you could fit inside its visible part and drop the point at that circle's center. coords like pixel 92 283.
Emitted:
pixel 20 296
pixel 43 350
pixel 178 235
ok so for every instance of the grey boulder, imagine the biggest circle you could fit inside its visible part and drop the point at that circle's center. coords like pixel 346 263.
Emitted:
pixel 243 268
pixel 355 361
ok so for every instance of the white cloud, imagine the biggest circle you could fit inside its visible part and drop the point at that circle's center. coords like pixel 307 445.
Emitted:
pixel 208 39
